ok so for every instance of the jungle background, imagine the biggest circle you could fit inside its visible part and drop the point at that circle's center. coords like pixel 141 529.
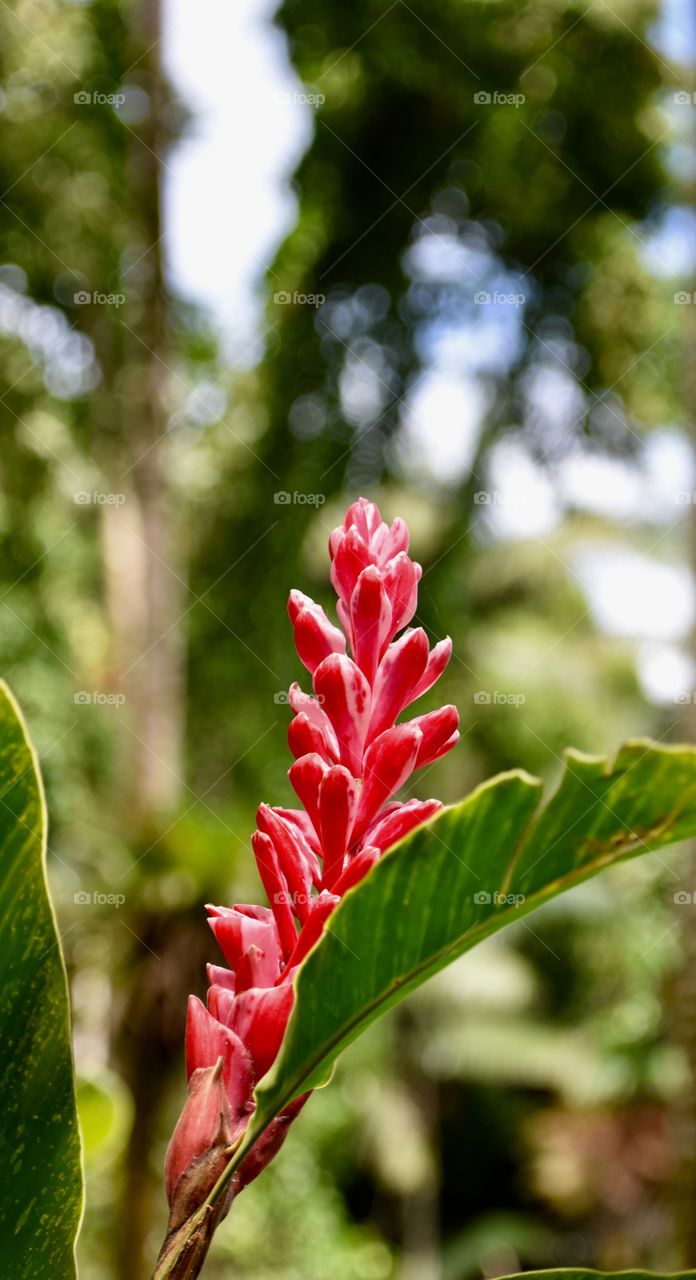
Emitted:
pixel 478 310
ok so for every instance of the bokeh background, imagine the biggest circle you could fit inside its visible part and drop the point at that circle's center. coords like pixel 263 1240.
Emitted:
pixel 255 263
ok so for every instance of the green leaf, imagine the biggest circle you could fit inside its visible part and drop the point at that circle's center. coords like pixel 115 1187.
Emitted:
pixel 40 1166
pixel 572 1273
pixel 459 878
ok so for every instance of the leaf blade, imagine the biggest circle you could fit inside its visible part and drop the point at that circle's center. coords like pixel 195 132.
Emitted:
pixel 579 1273
pixel 501 841
pixel 40 1159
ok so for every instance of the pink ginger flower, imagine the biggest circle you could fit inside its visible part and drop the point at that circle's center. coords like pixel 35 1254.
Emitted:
pixel 350 759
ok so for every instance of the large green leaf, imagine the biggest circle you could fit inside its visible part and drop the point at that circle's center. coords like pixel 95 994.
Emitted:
pixel 40 1166
pixel 459 878
pixel 573 1273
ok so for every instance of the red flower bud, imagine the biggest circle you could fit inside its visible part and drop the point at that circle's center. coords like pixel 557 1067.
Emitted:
pixel 206 1041
pixel 437 661
pixel 388 543
pixel 306 776
pixel 440 734
pixel 338 803
pixel 387 830
pixel 312 929
pixel 355 869
pixel 276 887
pixel 400 673
pixel 305 738
pixel 388 763
pixel 346 696
pixel 299 818
pixel 205 1124
pixel 401 577
pixel 257 1016
pixel 371 616
pixel 315 636
pixel 291 856
pixel 352 556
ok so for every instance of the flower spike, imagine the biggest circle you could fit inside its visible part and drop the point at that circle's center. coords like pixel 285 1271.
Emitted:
pixel 350 758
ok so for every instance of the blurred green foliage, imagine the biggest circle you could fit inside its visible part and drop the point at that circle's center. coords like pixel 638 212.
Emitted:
pixel 519 1111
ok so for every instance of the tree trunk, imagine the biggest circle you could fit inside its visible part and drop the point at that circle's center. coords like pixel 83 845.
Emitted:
pixel 143 554
pixel 143 558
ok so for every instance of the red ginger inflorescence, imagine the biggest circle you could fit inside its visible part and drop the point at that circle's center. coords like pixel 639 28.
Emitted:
pixel 350 758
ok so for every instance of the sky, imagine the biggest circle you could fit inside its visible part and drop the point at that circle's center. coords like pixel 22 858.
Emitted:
pixel 228 203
